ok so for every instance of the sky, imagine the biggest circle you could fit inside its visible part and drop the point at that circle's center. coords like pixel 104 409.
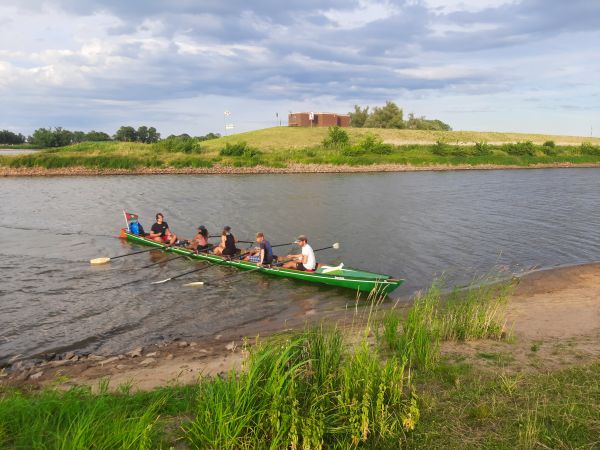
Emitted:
pixel 178 65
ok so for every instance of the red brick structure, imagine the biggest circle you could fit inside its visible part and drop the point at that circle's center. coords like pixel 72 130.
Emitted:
pixel 320 119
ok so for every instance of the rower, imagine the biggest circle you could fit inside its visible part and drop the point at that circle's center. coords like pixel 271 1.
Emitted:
pixel 227 245
pixel 263 254
pixel 304 261
pixel 200 242
pixel 160 231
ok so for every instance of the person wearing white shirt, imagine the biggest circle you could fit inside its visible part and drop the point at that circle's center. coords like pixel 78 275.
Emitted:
pixel 306 260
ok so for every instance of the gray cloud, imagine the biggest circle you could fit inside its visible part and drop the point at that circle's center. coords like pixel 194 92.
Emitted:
pixel 152 51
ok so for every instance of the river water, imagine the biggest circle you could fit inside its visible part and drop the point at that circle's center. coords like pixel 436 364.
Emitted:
pixel 411 225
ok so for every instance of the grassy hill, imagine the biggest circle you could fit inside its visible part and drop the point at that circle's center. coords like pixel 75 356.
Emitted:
pixel 279 138
pixel 281 147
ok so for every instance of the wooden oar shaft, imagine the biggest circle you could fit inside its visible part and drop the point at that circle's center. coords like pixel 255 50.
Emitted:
pixel 135 253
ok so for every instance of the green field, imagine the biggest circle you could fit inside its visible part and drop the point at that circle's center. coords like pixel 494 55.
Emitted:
pixel 281 147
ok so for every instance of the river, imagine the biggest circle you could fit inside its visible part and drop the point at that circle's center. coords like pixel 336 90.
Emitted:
pixel 412 225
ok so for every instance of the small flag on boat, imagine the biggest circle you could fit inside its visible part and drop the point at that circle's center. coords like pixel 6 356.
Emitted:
pixel 132 222
pixel 131 217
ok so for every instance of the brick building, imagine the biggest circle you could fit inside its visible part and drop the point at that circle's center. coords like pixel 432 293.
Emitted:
pixel 319 119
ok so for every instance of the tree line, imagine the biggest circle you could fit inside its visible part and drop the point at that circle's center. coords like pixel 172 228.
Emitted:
pixel 60 137
pixel 391 116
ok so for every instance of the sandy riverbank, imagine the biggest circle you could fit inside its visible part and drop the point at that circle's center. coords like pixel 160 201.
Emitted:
pixel 554 319
pixel 291 168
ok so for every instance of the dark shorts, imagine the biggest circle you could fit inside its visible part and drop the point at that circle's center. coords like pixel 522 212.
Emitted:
pixel 228 252
pixel 300 266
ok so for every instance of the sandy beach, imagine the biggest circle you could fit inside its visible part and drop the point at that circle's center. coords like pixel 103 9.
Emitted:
pixel 553 322
pixel 291 168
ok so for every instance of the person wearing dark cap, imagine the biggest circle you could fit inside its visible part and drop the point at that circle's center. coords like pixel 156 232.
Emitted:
pixel 227 245
pixel 305 260
pixel 200 242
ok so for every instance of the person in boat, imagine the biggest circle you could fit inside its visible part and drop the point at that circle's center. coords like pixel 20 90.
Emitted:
pixel 200 242
pixel 263 253
pixel 160 231
pixel 305 261
pixel 227 245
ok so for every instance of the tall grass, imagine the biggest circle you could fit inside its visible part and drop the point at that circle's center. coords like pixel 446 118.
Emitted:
pixel 478 312
pixel 307 392
pixel 77 419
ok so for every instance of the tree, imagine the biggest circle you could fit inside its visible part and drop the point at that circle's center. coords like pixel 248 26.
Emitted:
pixel 153 135
pixel 8 137
pixel 97 136
pixel 421 123
pixel 126 134
pixel 47 137
pixel 359 116
pixel 142 134
pixel 388 116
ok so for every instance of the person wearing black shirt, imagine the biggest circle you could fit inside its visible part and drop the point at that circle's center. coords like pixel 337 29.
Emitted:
pixel 227 245
pixel 160 231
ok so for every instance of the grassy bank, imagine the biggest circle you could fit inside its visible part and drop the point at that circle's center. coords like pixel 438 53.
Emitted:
pixel 380 384
pixel 281 147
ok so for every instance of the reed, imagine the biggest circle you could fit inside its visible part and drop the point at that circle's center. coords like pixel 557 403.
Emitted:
pixel 477 312
pixel 306 392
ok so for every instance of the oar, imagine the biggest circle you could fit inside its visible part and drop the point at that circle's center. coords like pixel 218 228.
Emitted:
pixel 335 246
pixel 200 283
pixel 163 261
pixel 280 263
pixel 181 275
pixel 105 259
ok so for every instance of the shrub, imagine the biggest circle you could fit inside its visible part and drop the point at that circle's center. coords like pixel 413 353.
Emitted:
pixel 589 149
pixel 179 144
pixel 482 149
pixel 239 149
pixel 373 144
pixel 336 138
pixel 520 149
pixel 549 144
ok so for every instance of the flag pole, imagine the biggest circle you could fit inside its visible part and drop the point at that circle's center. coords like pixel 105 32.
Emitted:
pixel 126 221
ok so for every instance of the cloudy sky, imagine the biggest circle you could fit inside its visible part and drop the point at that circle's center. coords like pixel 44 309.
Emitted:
pixel 506 65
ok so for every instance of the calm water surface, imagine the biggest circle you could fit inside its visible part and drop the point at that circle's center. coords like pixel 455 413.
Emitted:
pixel 411 225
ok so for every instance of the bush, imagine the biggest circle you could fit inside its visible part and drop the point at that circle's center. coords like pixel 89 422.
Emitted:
pixel 520 149
pixel 179 144
pixel 549 144
pixel 589 149
pixel 482 149
pixel 443 149
pixel 336 138
pixel 373 144
pixel 239 149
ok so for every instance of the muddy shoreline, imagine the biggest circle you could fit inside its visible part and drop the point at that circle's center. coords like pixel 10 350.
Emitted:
pixel 290 169
pixel 554 318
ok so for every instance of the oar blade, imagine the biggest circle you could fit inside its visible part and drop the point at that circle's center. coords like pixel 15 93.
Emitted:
pixel 336 246
pixel 195 283
pixel 98 261
pixel 161 281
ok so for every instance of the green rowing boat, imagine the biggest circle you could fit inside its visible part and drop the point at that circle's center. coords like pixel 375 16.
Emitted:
pixel 358 280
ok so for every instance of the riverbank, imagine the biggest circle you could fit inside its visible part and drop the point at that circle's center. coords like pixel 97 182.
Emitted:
pixel 532 383
pixel 556 311
pixel 366 152
pixel 290 169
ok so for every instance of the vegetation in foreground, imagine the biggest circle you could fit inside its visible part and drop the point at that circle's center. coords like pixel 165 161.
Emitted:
pixel 356 147
pixel 380 386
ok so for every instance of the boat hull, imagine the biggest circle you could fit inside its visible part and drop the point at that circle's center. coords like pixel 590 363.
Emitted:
pixel 346 278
